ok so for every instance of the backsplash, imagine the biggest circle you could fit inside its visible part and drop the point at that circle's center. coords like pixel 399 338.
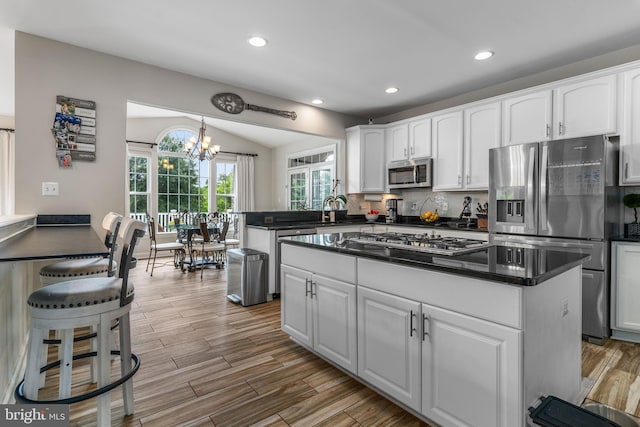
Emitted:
pixel 416 201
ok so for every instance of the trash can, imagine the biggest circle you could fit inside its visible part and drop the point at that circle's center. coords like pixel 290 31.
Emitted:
pixel 555 412
pixel 247 276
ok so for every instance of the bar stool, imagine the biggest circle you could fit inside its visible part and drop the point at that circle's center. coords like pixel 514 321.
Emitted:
pixel 94 302
pixel 78 268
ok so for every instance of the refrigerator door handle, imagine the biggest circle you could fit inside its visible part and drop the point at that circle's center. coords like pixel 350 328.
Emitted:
pixel 543 187
pixel 530 198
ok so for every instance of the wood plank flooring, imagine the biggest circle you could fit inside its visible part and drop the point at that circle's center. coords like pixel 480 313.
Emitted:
pixel 208 362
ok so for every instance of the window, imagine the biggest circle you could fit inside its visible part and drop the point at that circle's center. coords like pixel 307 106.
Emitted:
pixel 310 175
pixel 163 181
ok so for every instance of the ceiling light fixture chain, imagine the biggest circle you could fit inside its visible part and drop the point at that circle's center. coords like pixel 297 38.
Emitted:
pixel 201 148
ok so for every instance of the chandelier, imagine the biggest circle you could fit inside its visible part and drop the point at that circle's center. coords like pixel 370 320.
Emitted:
pixel 201 148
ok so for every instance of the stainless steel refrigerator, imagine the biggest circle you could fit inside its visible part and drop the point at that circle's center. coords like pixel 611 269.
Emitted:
pixel 561 194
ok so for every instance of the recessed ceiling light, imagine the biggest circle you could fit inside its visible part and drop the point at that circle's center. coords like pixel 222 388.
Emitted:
pixel 257 41
pixel 485 54
pixel 317 101
pixel 391 90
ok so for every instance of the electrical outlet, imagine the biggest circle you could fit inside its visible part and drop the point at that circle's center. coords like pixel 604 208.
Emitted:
pixel 565 308
pixel 50 189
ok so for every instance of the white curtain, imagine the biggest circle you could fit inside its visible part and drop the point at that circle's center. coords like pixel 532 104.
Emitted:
pixel 245 188
pixel 7 175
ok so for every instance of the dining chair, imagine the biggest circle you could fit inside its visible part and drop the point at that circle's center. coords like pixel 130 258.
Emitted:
pixel 94 302
pixel 177 248
pixel 208 247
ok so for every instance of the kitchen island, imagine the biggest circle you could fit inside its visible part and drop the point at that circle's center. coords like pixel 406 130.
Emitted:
pixel 466 340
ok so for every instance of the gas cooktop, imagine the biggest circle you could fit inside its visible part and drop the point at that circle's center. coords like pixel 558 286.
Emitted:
pixel 433 244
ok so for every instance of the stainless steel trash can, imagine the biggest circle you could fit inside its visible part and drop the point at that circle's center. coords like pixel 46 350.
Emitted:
pixel 247 276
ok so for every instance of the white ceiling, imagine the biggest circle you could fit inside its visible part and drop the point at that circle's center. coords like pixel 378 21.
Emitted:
pixel 343 51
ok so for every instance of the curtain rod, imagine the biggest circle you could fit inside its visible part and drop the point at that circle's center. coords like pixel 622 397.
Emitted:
pixel 8 129
pixel 223 152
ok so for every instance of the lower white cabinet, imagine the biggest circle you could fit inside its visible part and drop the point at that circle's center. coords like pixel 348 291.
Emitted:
pixel 320 313
pixel 470 370
pixel 389 344
pixel 625 291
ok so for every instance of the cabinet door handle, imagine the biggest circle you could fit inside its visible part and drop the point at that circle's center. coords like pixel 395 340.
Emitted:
pixel 413 150
pixel 459 179
pixel 548 130
pixel 626 170
pixel 425 328
pixel 405 152
pixel 411 328
pixel 306 287
pixel 560 128
pixel 313 294
pixel 468 179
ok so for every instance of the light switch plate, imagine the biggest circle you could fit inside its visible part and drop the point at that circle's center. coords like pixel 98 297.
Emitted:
pixel 50 189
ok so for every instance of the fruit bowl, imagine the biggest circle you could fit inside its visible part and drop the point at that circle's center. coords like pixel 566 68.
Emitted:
pixel 430 217
pixel 371 217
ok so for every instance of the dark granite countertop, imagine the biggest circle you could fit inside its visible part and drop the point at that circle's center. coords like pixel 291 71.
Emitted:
pixel 528 266
pixel 52 242
pixel 361 221
pixel 625 239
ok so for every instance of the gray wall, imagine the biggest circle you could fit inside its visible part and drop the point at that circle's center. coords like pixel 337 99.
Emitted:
pixel 46 68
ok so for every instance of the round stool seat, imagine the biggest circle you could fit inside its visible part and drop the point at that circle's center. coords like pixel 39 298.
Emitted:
pixel 79 293
pixel 74 269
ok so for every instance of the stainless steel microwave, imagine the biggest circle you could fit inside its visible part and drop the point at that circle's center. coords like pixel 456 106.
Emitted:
pixel 409 173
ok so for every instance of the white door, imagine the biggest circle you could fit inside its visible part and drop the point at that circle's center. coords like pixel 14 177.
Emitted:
pixel 526 118
pixel 630 132
pixel 334 321
pixel 389 345
pixel 448 151
pixel 471 371
pixel 295 304
pixel 481 133
pixel 397 142
pixel 420 138
pixel 626 286
pixel 585 108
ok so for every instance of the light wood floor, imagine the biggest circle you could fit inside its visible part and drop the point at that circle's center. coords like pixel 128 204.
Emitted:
pixel 208 362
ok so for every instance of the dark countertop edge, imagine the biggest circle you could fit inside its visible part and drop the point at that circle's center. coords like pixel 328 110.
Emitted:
pixel 302 225
pixel 40 257
pixel 630 239
pixel 475 274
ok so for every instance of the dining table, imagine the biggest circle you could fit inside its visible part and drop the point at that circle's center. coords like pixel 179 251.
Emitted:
pixel 186 235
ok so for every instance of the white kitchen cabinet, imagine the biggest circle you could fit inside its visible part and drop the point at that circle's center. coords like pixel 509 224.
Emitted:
pixel 527 118
pixel 630 132
pixel 469 370
pixel 409 140
pixel 448 152
pixel 462 140
pixel 625 291
pixel 585 108
pixel 389 344
pixel 481 133
pixel 320 311
pixel 366 159
pixel 397 141
pixel 420 137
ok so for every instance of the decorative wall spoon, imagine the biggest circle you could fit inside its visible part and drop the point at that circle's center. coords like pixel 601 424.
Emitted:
pixel 233 104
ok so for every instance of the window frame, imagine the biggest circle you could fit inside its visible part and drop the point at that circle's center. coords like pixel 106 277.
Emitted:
pixel 309 169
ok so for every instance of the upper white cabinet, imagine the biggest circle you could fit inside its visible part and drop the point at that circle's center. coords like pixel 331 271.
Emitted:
pixel 583 108
pixel 527 118
pixel 397 137
pixel 461 141
pixel 630 132
pixel 365 159
pixel 409 140
pixel 420 137
pixel 448 138
pixel 481 133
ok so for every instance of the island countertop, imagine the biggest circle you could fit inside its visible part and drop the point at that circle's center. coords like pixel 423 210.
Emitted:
pixel 506 264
